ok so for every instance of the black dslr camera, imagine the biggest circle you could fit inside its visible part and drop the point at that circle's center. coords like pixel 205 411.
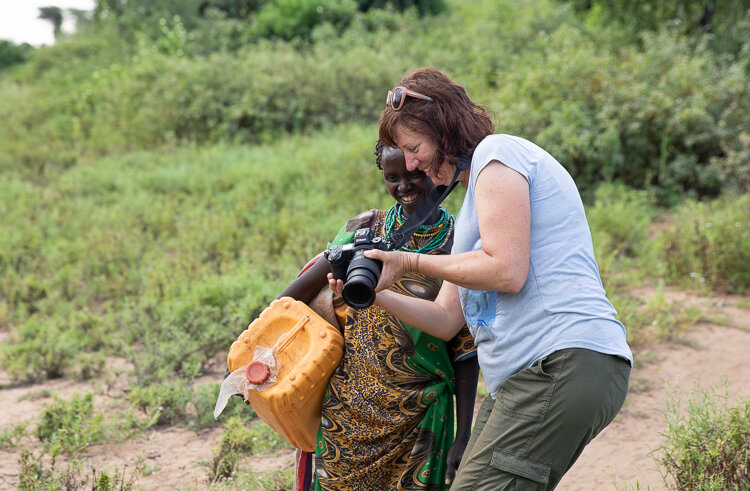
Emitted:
pixel 360 274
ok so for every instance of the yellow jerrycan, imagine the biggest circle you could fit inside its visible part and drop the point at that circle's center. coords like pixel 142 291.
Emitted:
pixel 281 365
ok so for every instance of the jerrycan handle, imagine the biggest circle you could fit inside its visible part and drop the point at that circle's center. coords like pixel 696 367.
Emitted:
pixel 290 335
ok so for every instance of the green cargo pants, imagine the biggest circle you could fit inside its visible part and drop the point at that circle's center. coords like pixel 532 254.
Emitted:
pixel 543 417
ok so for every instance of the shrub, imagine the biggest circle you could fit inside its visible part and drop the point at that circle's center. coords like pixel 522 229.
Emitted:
pixel 251 96
pixel 707 444
pixel 665 114
pixel 619 219
pixel 13 54
pixel 50 347
pixel 424 7
pixel 236 443
pixel 165 403
pixel 662 117
pixel 734 166
pixel 70 426
pixel 240 441
pixel 12 437
pixel 708 245
pixel 290 19
pixel 723 22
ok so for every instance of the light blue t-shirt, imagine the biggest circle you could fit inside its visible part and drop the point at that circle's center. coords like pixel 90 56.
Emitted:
pixel 563 303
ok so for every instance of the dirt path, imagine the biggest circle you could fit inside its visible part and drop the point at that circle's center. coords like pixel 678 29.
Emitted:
pixel 617 459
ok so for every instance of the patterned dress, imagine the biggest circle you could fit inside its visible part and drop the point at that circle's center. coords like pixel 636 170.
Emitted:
pixel 387 419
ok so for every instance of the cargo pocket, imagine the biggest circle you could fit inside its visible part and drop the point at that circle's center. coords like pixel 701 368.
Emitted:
pixel 526 395
pixel 530 473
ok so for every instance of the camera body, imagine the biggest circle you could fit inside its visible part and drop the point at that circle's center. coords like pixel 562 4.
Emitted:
pixel 359 273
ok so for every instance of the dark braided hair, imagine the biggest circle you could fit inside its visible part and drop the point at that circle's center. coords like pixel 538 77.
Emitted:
pixel 379 154
pixel 380 148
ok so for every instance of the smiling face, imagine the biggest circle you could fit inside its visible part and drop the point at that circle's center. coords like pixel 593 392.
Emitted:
pixel 408 188
pixel 419 151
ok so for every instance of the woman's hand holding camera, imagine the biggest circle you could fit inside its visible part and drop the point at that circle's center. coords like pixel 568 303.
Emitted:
pixel 395 265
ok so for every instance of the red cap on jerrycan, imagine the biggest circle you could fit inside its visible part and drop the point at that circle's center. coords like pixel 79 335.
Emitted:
pixel 257 372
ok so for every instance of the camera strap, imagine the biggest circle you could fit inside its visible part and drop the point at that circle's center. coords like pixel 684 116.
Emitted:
pixel 399 237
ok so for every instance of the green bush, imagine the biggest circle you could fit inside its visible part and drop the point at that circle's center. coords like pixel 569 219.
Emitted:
pixel 663 117
pixel 72 344
pixel 424 7
pixel 620 220
pixel 734 167
pixel 707 444
pixel 12 437
pixel 287 19
pixel 13 54
pixel 240 441
pixel 722 22
pixel 164 403
pixel 290 19
pixel 252 96
pixel 235 443
pixel 708 245
pixel 70 426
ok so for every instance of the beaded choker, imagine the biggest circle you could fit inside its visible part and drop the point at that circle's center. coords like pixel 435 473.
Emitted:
pixel 435 235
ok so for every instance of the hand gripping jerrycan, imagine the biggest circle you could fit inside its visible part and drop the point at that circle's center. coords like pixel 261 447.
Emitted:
pixel 281 365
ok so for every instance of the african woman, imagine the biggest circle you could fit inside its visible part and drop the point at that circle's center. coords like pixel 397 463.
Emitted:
pixel 388 415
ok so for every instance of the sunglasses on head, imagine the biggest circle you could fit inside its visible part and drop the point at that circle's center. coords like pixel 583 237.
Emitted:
pixel 397 97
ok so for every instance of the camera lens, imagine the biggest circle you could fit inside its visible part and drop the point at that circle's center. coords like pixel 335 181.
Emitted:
pixel 361 279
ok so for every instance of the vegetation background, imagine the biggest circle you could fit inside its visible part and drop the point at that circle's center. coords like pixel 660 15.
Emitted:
pixel 169 168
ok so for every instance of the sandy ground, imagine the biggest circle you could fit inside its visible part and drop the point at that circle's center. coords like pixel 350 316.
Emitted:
pixel 618 459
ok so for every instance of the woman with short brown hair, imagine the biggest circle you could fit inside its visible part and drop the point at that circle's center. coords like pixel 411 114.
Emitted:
pixel 522 275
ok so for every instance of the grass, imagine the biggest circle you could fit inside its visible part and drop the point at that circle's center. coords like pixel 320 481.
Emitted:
pixel 72 475
pixel 170 264
pixel 278 480
pixel 654 319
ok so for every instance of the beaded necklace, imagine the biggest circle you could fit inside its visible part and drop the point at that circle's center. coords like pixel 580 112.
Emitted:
pixel 436 234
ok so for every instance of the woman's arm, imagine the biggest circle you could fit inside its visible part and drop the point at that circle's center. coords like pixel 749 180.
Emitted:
pixel 307 285
pixel 502 201
pixel 442 318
